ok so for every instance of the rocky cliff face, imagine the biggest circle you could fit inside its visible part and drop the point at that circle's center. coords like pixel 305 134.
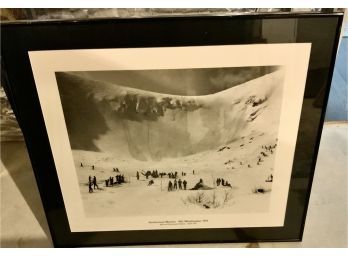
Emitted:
pixel 144 125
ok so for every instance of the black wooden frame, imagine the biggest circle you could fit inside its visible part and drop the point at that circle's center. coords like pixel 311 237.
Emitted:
pixel 21 37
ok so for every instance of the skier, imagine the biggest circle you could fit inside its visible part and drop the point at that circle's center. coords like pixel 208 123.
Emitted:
pixel 106 182
pixel 193 172
pixel 92 167
pixel 90 187
pixel 81 165
pixel 184 183
pixel 175 184
pixel 90 179
pixel 137 175
pixel 180 182
pixel 170 186
pixel 95 183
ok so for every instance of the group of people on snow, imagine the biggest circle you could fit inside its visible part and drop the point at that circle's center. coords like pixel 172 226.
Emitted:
pixel 119 179
pixel 156 174
pixel 177 185
pixel 222 182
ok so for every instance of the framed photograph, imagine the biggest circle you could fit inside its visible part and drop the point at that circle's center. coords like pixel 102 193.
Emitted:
pixel 172 130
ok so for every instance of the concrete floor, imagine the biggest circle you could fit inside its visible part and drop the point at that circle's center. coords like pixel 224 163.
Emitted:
pixel 23 222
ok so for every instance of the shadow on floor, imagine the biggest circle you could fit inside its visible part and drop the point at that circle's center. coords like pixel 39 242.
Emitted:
pixel 16 161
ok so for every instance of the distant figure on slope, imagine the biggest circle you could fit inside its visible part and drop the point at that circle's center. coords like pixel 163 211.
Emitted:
pixel 222 182
pixel 81 165
pixel 193 172
pixel 185 184
pixel 92 167
pixel 90 179
pixel 170 186
pixel 106 182
pixel 111 181
pixel 180 182
pixel 95 182
pixel 175 184
pixel 137 175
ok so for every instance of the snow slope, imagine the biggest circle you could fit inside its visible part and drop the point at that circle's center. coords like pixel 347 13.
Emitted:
pixel 145 125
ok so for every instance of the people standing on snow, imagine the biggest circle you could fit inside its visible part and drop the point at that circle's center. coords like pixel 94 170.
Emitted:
pixel 179 183
pixel 137 175
pixel 90 179
pixel 90 187
pixel 170 186
pixel 106 182
pixel 95 185
pixel 175 184
pixel 185 184
pixel 218 182
pixel 92 167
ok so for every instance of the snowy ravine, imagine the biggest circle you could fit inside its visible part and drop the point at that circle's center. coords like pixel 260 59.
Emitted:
pixel 231 134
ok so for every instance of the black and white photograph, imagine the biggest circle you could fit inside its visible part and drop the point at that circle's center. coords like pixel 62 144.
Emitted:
pixel 190 136
pixel 179 141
